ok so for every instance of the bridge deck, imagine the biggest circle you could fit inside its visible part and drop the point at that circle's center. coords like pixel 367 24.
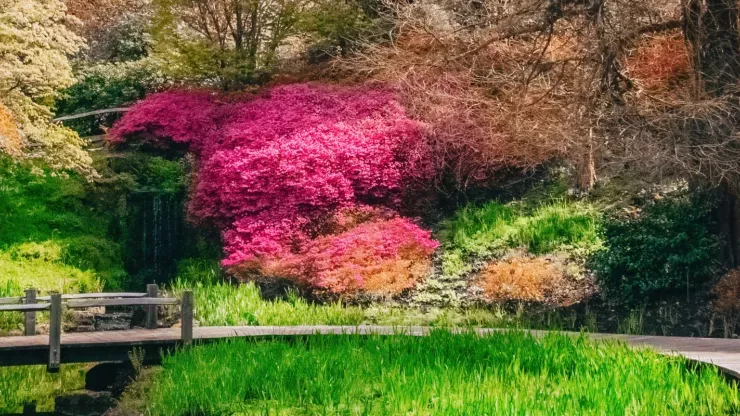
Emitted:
pixel 115 345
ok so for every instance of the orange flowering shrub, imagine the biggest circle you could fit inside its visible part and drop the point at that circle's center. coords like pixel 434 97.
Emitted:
pixel 727 292
pixel 658 62
pixel 520 278
pixel 10 139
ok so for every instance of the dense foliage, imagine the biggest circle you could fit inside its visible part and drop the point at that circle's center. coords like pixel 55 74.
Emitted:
pixel 274 168
pixel 222 43
pixel 442 374
pixel 667 247
pixel 490 229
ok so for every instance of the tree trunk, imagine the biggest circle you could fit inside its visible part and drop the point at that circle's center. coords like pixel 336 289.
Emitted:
pixel 711 28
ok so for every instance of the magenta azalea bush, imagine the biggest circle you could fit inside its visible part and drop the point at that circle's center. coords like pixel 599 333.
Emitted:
pixel 276 168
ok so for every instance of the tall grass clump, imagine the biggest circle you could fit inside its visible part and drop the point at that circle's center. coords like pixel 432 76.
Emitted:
pixel 442 374
pixel 556 225
pixel 20 386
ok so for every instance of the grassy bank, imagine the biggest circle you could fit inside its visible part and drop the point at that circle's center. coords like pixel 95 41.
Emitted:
pixel 442 374
pixel 221 303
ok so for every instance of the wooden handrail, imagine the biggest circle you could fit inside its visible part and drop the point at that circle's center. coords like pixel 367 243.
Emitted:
pixel 11 301
pixel 19 299
pixel 92 113
pixel 90 303
pixel 96 296
pixel 25 308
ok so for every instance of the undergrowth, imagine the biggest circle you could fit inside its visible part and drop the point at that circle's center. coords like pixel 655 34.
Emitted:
pixel 480 231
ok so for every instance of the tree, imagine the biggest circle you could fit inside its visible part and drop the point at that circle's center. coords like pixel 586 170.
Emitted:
pixel 34 48
pixel 225 43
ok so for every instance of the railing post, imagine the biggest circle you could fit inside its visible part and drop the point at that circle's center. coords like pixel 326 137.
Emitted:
pixel 55 333
pixel 186 325
pixel 30 315
pixel 152 291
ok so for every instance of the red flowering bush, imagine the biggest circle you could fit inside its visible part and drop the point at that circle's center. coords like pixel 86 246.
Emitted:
pixel 381 257
pixel 276 168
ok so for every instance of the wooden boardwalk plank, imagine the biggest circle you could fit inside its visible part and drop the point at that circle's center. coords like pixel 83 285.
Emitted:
pixel 724 353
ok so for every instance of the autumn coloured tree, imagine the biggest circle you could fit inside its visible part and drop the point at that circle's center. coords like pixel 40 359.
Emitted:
pixel 10 140
pixel 275 169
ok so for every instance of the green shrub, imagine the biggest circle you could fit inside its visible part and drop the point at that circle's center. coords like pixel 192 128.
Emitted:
pixel 479 230
pixel 39 265
pixel 669 246
pixel 47 220
pixel 510 373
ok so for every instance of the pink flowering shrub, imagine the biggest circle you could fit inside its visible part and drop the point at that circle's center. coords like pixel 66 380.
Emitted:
pixel 277 172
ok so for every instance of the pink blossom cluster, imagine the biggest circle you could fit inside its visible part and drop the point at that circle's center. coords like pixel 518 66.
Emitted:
pixel 273 168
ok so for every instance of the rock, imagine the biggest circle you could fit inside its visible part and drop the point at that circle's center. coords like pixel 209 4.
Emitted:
pixel 82 320
pixel 84 403
pixel 115 321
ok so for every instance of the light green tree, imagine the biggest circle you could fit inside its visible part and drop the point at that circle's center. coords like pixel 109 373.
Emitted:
pixel 35 44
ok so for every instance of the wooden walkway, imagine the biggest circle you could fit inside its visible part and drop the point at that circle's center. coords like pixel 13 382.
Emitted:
pixel 115 345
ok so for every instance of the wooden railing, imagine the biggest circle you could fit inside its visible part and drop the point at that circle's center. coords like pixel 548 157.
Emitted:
pixel 56 303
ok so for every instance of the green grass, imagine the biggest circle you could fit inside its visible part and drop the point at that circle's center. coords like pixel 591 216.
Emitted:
pixel 443 374
pixel 29 384
pixel 492 228
pixel 36 205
